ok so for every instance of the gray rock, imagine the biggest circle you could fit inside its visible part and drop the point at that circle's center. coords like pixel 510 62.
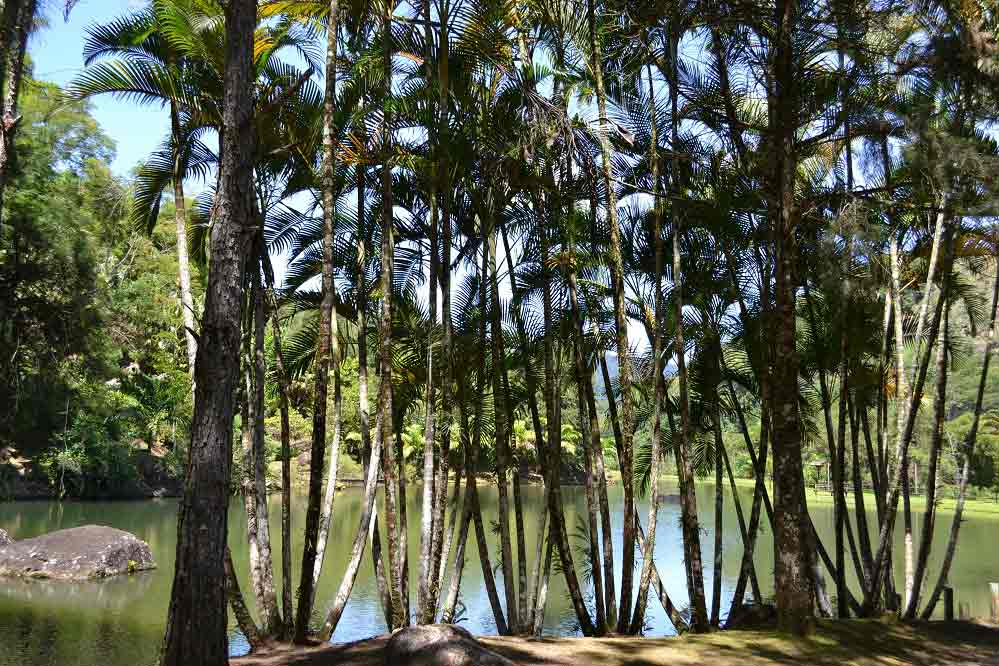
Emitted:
pixel 5 539
pixel 439 645
pixel 78 553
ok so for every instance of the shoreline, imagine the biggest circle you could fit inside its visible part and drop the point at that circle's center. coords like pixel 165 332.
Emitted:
pixel 834 643
pixel 33 491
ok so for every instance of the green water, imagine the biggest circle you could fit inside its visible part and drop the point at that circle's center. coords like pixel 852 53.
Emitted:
pixel 119 622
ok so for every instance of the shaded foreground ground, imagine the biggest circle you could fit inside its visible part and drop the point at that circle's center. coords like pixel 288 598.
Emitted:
pixel 852 642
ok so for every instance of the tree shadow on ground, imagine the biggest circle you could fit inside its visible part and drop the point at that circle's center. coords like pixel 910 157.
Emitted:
pixel 835 643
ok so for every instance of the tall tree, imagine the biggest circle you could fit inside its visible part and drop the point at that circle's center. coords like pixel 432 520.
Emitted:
pixel 196 620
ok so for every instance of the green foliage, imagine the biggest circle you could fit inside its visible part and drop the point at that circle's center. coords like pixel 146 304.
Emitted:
pixel 88 312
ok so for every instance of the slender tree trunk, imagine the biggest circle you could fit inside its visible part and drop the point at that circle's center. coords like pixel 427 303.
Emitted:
pixel 438 552
pixel 448 539
pixel 425 599
pixel 196 621
pixel 859 507
pixel 322 360
pixel 403 548
pixel 648 550
pixel 552 456
pixel 500 413
pixel 287 605
pixel 911 408
pixel 238 604
pixel 834 443
pixel 621 322
pixel 969 450
pixel 759 492
pixel 685 474
pixel 396 558
pixel 671 610
pixel 183 260
pixel 262 567
pixel 474 444
pixel 454 585
pixel 743 530
pixel 592 531
pixel 541 598
pixel 363 527
pixel 936 443
pixel 716 580
pixel 334 455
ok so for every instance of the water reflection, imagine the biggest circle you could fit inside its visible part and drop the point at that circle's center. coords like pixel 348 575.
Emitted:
pixel 119 622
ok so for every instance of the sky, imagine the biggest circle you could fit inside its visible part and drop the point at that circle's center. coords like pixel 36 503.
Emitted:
pixel 56 51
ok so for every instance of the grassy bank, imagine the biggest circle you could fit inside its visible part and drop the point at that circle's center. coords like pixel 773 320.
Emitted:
pixel 835 643
pixel 983 507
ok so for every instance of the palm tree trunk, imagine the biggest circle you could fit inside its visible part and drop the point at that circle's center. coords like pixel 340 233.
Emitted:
pixel 439 552
pixel 911 408
pixel 331 478
pixel 621 322
pixel 743 531
pixel 716 579
pixel 473 446
pixel 859 504
pixel 591 511
pixel 183 260
pixel 552 459
pixel 759 491
pixel 500 413
pixel 287 605
pixel 448 540
pixel 648 550
pixel 936 442
pixel 834 443
pixel 390 464
pixel 541 598
pixel 454 585
pixel 322 360
pixel 403 551
pixel 969 450
pixel 684 469
pixel 196 620
pixel 360 537
pixel 263 568
pixel 425 600
pixel 238 604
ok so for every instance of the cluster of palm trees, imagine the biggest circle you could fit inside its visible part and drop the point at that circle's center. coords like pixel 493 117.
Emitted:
pixel 787 197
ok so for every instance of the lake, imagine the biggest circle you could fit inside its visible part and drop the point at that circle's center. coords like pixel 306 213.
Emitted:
pixel 119 622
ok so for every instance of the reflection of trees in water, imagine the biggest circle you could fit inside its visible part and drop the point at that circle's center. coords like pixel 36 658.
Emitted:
pixel 113 594
pixel 119 621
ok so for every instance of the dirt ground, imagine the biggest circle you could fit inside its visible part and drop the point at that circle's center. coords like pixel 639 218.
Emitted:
pixel 848 643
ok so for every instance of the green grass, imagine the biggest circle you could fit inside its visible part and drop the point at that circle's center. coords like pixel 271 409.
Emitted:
pixel 983 507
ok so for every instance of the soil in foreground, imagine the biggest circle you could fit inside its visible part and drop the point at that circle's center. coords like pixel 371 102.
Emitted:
pixel 835 643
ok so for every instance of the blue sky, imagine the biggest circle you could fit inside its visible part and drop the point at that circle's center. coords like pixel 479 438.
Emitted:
pixel 56 51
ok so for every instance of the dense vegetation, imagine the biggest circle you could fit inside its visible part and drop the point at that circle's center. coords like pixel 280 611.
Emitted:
pixel 732 238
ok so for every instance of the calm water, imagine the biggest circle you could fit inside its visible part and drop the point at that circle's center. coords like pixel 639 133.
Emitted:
pixel 119 622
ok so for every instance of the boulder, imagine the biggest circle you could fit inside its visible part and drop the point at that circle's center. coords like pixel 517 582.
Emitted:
pixel 752 616
pixel 5 539
pixel 439 645
pixel 78 553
